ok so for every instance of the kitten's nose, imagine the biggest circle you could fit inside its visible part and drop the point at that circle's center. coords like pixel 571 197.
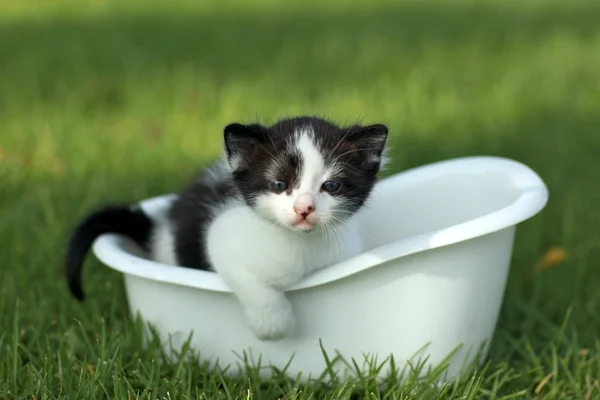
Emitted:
pixel 304 205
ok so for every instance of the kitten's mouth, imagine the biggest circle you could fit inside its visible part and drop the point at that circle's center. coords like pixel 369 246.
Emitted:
pixel 304 225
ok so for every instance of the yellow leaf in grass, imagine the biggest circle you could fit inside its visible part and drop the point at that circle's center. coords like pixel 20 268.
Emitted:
pixel 553 257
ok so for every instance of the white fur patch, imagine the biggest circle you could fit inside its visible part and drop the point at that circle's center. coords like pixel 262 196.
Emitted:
pixel 313 172
pixel 163 243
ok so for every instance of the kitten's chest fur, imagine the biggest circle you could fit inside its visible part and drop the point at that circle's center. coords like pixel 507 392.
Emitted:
pixel 281 257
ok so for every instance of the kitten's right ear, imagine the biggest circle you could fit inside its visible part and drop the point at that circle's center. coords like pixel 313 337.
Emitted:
pixel 240 139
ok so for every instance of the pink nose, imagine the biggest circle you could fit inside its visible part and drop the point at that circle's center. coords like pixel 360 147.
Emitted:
pixel 304 211
pixel 304 205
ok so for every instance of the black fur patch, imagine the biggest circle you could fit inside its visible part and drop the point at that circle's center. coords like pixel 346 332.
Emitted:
pixel 357 151
pixel 191 214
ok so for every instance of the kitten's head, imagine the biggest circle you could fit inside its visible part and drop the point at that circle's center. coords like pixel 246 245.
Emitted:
pixel 305 172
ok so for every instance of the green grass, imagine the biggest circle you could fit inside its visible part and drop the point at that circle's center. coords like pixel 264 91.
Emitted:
pixel 111 100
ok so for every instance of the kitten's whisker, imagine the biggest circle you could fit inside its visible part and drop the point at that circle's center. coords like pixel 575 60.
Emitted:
pixel 341 140
pixel 339 248
pixel 330 235
pixel 336 236
pixel 347 226
pixel 326 232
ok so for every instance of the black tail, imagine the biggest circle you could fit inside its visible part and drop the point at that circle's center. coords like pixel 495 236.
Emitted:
pixel 125 220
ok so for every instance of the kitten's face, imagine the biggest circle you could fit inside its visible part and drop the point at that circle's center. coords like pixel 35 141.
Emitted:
pixel 305 172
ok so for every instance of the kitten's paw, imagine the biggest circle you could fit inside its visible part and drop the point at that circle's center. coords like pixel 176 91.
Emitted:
pixel 271 320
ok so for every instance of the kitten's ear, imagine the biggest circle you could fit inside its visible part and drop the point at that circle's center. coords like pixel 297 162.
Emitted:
pixel 240 139
pixel 371 140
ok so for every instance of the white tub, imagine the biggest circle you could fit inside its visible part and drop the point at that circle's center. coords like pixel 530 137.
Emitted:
pixel 440 241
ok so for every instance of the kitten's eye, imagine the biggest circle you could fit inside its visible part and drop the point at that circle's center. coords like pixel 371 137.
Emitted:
pixel 278 186
pixel 332 186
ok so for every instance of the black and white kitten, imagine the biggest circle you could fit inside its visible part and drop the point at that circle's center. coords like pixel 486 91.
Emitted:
pixel 279 205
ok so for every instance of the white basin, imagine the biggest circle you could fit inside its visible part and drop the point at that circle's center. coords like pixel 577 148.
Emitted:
pixel 439 245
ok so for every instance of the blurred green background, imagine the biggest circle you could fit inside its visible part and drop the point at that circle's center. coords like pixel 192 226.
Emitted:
pixel 111 100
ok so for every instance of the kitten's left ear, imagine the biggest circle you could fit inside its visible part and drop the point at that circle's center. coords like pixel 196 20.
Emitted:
pixel 240 139
pixel 371 140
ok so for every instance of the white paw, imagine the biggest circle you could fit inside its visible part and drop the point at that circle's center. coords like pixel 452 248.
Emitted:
pixel 271 320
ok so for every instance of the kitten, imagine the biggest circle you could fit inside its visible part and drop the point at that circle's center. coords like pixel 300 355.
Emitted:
pixel 278 205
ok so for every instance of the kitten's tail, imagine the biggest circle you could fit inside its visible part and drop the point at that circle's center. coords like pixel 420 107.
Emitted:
pixel 120 219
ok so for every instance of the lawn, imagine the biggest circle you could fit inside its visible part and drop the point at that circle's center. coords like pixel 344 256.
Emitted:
pixel 110 100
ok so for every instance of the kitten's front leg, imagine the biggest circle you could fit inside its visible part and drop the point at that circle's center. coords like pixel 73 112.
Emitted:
pixel 236 257
pixel 268 312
